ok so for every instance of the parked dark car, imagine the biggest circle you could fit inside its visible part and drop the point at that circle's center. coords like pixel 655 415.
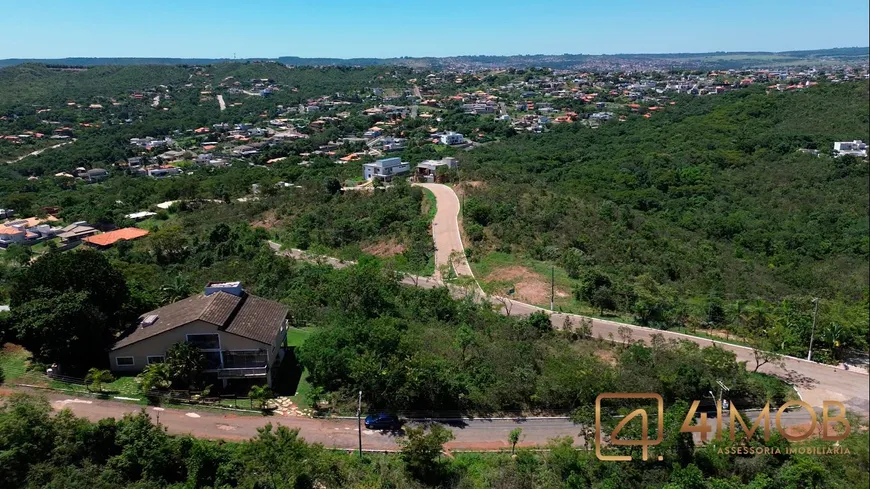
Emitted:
pixel 382 421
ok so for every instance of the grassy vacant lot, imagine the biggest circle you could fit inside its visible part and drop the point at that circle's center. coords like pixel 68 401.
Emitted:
pixel 532 282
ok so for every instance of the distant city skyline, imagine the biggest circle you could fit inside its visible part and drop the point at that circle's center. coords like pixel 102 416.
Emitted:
pixel 380 29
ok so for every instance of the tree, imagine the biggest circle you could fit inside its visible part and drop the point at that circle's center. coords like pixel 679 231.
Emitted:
pixel 97 377
pixel 540 322
pixel 763 354
pixel 262 394
pixel 185 362
pixel 331 185
pixel 175 290
pixel 625 334
pixel 514 438
pixel 154 376
pixel 465 337
pixel 421 450
pixel 18 253
pixel 603 299
pixel 169 244
pixel 67 329
pixel 590 281
pixel 86 271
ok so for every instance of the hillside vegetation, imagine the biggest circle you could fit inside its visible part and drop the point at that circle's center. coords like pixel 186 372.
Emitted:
pixel 702 205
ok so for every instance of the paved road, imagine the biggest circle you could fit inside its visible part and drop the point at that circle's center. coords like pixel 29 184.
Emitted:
pixel 445 231
pixel 39 151
pixel 470 434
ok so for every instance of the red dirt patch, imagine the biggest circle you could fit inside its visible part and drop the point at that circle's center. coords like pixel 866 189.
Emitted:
pixel 268 221
pixel 384 249
pixel 530 286
pixel 461 188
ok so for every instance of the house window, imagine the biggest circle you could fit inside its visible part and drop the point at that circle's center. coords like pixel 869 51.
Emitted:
pixel 124 361
pixel 205 341
pixel 152 359
pixel 212 360
pixel 245 359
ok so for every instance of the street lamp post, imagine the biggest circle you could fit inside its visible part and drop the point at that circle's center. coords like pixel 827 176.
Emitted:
pixel 813 331
pixel 358 422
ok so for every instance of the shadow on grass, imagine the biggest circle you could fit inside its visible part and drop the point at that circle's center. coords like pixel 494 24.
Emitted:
pixel 287 375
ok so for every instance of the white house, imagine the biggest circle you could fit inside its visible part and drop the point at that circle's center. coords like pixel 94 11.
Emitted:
pixel 452 138
pixel 164 171
pixel 427 171
pixel 854 148
pixel 385 169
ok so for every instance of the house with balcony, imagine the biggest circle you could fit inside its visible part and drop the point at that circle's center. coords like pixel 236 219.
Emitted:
pixel 385 169
pixel 240 335
pixel 452 138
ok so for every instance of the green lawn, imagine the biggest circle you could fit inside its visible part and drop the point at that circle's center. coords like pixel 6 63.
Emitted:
pixel 13 362
pixel 296 337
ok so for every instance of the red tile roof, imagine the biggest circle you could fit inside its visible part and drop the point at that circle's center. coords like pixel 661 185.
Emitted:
pixel 112 237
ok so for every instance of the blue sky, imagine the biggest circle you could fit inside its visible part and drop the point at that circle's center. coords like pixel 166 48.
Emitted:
pixel 375 28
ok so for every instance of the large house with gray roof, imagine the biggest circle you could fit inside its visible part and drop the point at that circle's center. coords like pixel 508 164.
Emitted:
pixel 240 335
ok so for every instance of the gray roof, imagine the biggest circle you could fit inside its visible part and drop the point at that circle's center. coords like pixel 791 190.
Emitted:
pixel 247 316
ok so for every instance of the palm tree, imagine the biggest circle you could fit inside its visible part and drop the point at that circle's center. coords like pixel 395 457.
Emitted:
pixel 185 363
pixel 155 376
pixel 96 378
pixel 175 290
pixel 262 394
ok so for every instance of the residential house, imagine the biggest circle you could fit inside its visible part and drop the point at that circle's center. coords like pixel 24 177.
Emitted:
pixel 93 175
pixel 240 335
pixel 26 231
pixel 11 235
pixel 75 232
pixel 452 138
pixel 393 144
pixel 385 169
pixel 853 148
pixel 433 170
pixel 106 240
pixel 164 171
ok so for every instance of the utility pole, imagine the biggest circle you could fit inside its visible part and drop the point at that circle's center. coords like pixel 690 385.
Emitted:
pixel 813 331
pixel 359 421
pixel 552 286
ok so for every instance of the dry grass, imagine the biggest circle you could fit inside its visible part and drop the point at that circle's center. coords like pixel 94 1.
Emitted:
pixel 529 286
pixel 384 249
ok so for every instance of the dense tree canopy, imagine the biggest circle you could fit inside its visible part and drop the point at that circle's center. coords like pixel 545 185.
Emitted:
pixel 705 202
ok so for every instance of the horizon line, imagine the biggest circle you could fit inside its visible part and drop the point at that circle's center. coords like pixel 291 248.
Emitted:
pixel 271 58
